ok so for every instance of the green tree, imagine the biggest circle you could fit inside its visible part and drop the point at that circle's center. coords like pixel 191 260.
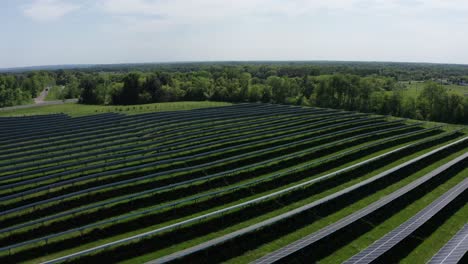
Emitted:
pixel 89 93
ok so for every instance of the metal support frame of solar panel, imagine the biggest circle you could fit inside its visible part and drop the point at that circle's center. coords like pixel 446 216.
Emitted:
pixel 134 152
pixel 157 154
pixel 117 131
pixel 292 213
pixel 128 140
pixel 454 250
pixel 391 239
pixel 301 244
pixel 143 212
pixel 236 233
pixel 54 185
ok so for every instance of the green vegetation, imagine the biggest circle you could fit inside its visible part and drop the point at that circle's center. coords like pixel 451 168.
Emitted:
pixel 418 91
pixel 20 89
pixel 413 89
pixel 54 93
pixel 74 109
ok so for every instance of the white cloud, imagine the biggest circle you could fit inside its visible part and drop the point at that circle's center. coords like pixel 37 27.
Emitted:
pixel 48 10
pixel 198 10
pixel 221 8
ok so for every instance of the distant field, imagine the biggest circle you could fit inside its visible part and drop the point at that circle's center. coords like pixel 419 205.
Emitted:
pixel 74 109
pixel 414 88
pixel 54 93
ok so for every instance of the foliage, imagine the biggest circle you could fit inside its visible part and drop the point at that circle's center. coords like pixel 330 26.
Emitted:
pixel 381 88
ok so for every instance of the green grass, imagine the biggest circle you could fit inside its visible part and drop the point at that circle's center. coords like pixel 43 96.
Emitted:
pixel 428 124
pixel 413 89
pixel 74 109
pixel 54 93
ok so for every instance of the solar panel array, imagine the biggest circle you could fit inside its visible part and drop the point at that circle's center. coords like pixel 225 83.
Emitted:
pixel 403 231
pixel 86 186
pixel 309 240
pixel 247 230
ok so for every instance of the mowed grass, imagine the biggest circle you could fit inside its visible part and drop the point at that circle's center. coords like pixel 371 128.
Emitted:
pixel 74 109
pixel 413 89
pixel 54 93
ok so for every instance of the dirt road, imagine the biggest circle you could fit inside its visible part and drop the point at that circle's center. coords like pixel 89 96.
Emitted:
pixel 41 97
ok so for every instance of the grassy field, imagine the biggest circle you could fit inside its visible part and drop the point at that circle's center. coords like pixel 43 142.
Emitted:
pixel 414 88
pixel 54 93
pixel 74 109
pixel 95 179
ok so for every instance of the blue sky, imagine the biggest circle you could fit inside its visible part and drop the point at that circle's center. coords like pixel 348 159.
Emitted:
pixel 50 32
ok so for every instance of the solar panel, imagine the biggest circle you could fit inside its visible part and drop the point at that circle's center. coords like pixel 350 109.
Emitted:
pixel 391 239
pixel 289 214
pixel 454 250
pixel 333 228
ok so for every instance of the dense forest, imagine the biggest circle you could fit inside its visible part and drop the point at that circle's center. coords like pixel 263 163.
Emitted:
pixel 365 87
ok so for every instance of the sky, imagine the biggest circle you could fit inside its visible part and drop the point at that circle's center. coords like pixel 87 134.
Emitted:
pixel 57 32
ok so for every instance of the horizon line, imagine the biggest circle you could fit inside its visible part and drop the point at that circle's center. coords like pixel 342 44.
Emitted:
pixel 80 65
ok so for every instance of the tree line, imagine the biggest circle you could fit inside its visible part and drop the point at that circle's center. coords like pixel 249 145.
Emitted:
pixel 355 86
pixel 20 89
pixel 372 94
